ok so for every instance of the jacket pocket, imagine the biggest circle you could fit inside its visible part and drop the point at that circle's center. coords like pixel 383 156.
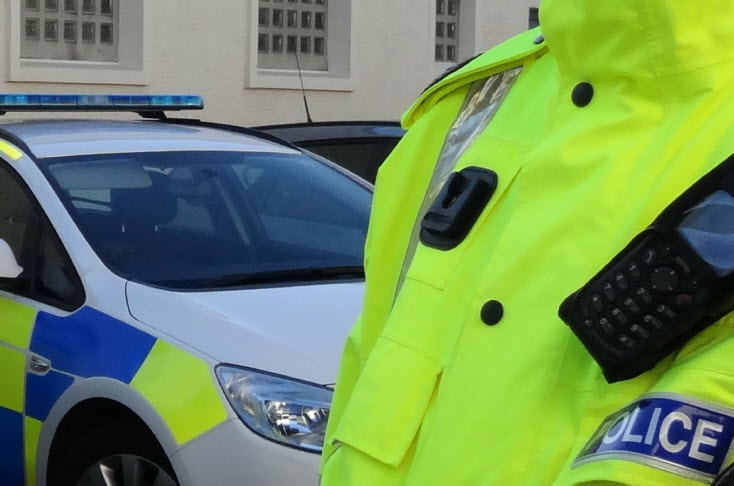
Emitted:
pixel 388 403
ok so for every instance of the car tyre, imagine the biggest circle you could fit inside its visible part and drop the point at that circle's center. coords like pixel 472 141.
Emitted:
pixel 114 454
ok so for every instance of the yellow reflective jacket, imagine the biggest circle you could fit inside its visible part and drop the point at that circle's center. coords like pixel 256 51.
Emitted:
pixel 430 395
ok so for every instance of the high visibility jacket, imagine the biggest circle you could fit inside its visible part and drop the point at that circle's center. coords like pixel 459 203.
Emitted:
pixel 428 394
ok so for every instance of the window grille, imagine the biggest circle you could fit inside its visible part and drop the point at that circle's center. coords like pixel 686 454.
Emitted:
pixel 447 30
pixel 290 27
pixel 71 30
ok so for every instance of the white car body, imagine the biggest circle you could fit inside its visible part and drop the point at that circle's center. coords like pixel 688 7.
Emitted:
pixel 295 330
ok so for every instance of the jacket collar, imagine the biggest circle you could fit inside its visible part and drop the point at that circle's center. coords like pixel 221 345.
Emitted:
pixel 668 46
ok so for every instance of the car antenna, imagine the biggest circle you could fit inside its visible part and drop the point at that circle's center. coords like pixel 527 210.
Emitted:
pixel 303 90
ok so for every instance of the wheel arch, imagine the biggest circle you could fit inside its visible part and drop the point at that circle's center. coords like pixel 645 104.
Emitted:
pixel 97 393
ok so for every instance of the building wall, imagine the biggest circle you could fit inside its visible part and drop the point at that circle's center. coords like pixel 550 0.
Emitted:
pixel 204 48
pixel 498 20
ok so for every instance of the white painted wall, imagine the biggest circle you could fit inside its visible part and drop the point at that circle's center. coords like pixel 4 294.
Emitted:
pixel 498 20
pixel 203 46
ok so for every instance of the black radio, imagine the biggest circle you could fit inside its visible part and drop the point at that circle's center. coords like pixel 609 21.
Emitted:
pixel 673 280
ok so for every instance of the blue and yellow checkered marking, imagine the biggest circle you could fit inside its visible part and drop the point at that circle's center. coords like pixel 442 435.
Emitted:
pixel 12 364
pixel 10 151
pixel 42 392
pixel 86 344
pixel 89 343
pixel 12 469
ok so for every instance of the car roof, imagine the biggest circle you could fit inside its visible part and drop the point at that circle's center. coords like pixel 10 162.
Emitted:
pixel 334 130
pixel 59 138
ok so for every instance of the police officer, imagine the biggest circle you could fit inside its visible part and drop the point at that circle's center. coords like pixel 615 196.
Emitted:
pixel 523 178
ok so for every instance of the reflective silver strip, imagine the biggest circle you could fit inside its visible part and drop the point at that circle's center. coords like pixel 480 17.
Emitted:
pixel 480 107
pixel 657 463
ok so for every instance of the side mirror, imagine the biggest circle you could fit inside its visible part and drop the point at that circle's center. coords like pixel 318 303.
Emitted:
pixel 9 267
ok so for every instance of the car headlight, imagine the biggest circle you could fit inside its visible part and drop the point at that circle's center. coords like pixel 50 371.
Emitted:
pixel 281 409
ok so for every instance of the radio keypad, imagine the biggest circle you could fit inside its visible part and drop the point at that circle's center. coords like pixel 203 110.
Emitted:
pixel 636 300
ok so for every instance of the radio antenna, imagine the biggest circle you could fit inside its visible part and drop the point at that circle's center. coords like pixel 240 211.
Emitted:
pixel 303 90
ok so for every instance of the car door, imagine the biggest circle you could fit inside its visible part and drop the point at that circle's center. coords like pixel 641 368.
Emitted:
pixel 47 281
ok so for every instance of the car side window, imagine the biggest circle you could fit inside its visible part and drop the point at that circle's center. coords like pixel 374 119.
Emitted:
pixel 48 275
pixel 359 156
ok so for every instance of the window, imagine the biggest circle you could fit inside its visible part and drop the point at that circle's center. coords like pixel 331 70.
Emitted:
pixel 533 18
pixel 315 34
pixel 48 275
pixel 447 30
pixel 306 22
pixel 187 219
pixel 79 41
pixel 308 214
pixel 455 25
pixel 359 156
pixel 96 20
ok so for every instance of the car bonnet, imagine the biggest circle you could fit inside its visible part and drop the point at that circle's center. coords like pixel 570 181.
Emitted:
pixel 296 330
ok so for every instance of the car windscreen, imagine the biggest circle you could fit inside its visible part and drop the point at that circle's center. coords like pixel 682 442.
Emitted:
pixel 193 220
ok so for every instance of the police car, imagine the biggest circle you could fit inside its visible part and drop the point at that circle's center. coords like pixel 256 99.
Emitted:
pixel 174 295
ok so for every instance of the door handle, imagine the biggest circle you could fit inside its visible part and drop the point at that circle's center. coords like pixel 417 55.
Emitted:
pixel 39 365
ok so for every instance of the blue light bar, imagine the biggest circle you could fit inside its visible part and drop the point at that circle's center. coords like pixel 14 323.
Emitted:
pixel 123 103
